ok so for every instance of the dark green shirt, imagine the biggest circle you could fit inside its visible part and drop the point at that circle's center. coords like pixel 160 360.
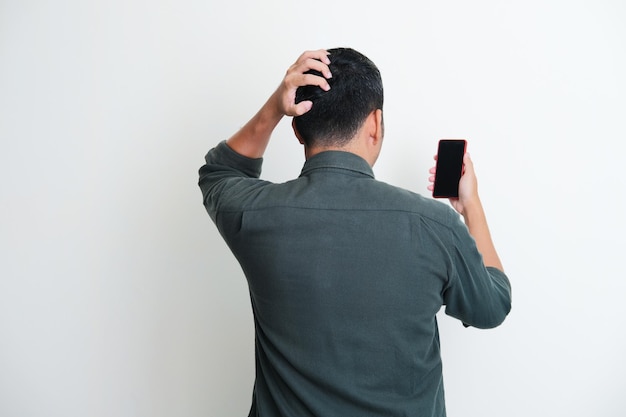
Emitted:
pixel 346 276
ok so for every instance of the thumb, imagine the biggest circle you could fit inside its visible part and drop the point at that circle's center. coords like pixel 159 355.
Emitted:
pixel 467 162
pixel 302 107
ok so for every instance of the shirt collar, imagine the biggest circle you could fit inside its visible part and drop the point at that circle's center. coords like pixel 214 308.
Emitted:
pixel 341 160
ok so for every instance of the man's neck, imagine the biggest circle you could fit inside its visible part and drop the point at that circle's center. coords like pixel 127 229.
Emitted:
pixel 352 147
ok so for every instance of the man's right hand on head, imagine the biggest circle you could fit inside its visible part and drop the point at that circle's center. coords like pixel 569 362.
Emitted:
pixel 297 76
pixel 252 139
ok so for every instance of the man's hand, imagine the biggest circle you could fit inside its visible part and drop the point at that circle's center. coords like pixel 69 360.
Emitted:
pixel 296 76
pixel 468 186
pixel 468 204
pixel 252 139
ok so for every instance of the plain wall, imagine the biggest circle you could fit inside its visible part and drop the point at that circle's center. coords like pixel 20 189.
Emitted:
pixel 118 296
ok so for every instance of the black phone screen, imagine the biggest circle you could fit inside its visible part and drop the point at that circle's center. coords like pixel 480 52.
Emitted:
pixel 449 167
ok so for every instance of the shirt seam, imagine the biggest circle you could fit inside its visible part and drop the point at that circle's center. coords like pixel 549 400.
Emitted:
pixel 446 225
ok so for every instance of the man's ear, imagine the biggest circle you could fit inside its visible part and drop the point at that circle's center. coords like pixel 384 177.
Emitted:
pixel 376 126
pixel 295 131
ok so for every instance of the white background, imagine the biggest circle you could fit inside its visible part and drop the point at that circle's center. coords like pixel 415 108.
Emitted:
pixel 119 298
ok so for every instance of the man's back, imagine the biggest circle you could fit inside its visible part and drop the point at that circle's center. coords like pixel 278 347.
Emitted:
pixel 346 275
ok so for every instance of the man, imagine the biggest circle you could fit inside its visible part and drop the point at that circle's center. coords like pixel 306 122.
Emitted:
pixel 346 274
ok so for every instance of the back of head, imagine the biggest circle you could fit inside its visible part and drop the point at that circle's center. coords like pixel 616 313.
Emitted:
pixel 356 90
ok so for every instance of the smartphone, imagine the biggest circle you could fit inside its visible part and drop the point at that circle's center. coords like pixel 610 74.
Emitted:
pixel 449 167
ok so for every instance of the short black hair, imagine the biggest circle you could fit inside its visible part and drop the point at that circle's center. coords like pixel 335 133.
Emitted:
pixel 356 90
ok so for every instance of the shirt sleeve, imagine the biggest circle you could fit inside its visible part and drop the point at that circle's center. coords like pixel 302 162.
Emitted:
pixel 226 177
pixel 478 295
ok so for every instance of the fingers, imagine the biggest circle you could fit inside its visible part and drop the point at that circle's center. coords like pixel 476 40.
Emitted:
pixel 320 55
pixel 298 75
pixel 311 60
pixel 467 164
pixel 468 168
pixel 431 179
pixel 310 79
